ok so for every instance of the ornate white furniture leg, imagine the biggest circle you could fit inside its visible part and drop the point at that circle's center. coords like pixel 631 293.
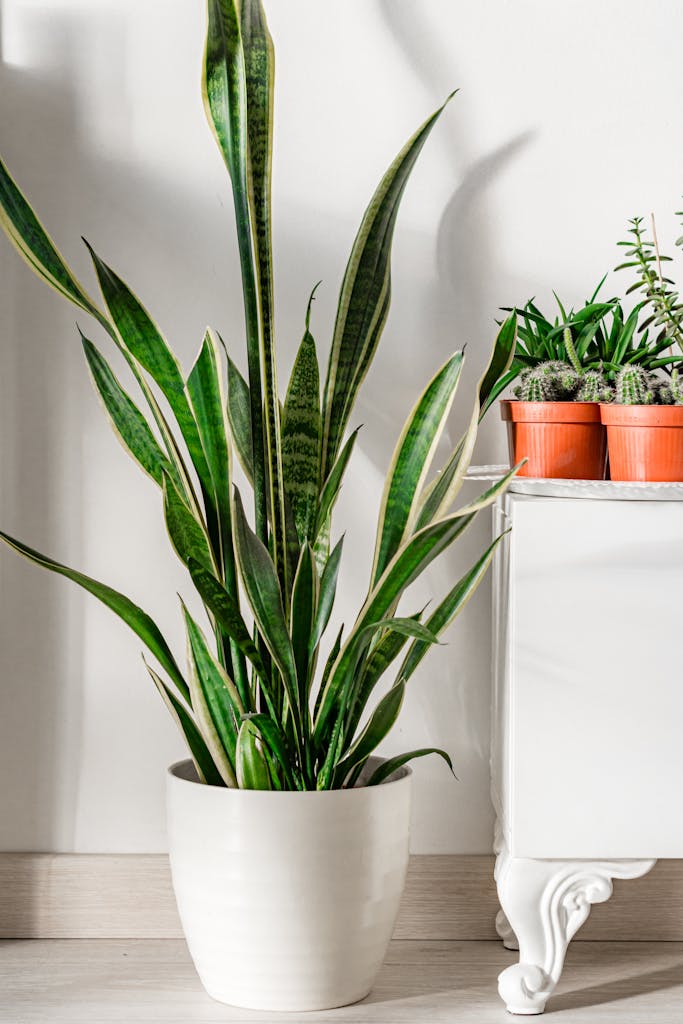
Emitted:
pixel 544 903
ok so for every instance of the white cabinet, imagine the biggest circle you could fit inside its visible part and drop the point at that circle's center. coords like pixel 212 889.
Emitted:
pixel 587 745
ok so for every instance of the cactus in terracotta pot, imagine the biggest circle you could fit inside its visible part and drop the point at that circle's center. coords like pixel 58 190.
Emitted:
pixel 553 381
pixel 594 388
pixel 635 386
pixel 670 392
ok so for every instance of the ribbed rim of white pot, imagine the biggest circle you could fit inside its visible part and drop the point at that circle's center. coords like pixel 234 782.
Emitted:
pixel 180 771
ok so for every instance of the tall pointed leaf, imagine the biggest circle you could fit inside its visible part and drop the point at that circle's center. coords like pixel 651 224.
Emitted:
pixel 380 722
pixel 215 701
pixel 411 461
pixel 224 90
pixel 205 388
pixel 226 612
pixel 276 742
pixel 302 618
pixel 259 65
pixel 32 242
pixel 265 599
pixel 144 341
pixel 138 620
pixel 252 770
pixel 301 434
pixel 206 769
pixel 383 654
pixel 449 608
pixel 332 485
pixel 239 419
pixel 186 534
pixel 129 424
pixel 328 590
pixel 364 298
pixel 443 490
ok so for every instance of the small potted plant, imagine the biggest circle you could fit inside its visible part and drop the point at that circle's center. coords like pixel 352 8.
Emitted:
pixel 645 421
pixel 555 422
pixel 645 427
pixel 288 837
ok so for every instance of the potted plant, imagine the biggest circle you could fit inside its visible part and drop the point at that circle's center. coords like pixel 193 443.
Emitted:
pixel 566 366
pixel 288 837
pixel 555 422
pixel 645 421
pixel 645 427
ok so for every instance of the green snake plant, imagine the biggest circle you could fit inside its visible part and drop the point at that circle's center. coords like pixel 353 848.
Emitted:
pixel 259 706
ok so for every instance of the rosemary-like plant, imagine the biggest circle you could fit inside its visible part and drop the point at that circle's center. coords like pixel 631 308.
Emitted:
pixel 255 706
pixel 660 294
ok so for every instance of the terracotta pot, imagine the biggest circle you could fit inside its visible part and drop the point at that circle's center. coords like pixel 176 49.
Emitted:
pixel 645 441
pixel 564 440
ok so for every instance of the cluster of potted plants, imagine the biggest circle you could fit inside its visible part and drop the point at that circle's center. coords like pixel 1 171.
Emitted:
pixel 598 392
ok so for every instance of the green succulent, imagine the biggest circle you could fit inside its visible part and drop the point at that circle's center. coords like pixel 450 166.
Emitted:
pixel 553 381
pixel 635 386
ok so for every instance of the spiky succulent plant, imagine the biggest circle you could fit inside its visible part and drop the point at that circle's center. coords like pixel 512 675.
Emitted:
pixel 670 391
pixel 594 388
pixel 635 386
pixel 553 381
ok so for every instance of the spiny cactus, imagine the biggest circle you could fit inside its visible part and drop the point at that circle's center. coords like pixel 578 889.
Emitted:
pixel 571 350
pixel 548 382
pixel 670 390
pixel 594 388
pixel 635 386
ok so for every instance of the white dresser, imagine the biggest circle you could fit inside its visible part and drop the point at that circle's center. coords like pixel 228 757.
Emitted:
pixel 587 732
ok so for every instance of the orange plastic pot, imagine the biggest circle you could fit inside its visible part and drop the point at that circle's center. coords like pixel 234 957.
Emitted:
pixel 645 441
pixel 563 440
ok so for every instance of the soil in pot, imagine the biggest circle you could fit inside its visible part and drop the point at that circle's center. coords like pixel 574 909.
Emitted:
pixel 288 899
pixel 645 442
pixel 560 440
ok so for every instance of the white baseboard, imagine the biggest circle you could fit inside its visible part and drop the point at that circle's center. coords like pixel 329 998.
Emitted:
pixel 447 897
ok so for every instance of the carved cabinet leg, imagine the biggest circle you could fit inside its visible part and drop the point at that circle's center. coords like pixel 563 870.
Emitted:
pixel 544 903
pixel 506 931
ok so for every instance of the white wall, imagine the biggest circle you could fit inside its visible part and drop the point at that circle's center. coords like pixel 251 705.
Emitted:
pixel 564 127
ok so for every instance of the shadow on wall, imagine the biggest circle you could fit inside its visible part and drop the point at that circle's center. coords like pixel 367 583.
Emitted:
pixel 40 639
pixel 459 308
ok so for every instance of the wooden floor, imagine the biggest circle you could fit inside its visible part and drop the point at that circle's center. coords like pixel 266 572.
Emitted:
pixel 143 980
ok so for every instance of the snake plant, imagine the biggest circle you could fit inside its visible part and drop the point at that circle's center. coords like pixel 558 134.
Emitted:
pixel 258 704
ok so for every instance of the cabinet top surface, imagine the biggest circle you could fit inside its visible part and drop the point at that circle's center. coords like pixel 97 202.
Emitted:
pixel 611 490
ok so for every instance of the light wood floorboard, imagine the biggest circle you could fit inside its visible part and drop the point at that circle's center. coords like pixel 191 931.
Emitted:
pixel 143 981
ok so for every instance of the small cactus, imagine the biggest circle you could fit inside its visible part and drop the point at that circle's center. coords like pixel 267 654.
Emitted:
pixel 670 390
pixel 635 386
pixel 594 388
pixel 548 382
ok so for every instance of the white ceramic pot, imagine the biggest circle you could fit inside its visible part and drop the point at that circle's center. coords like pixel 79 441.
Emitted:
pixel 288 900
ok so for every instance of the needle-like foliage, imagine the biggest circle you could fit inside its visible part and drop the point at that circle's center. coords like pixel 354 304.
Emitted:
pixel 257 704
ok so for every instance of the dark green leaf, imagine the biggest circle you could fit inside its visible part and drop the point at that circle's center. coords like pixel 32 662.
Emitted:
pixel 301 435
pixel 252 770
pixel 206 769
pixel 129 424
pixel 187 535
pixel 411 461
pixel 364 298
pixel 392 764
